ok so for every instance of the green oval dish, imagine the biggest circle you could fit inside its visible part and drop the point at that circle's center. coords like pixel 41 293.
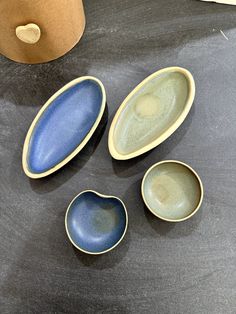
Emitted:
pixel 151 113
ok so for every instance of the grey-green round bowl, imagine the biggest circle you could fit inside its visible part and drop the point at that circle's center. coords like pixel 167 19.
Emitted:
pixel 172 191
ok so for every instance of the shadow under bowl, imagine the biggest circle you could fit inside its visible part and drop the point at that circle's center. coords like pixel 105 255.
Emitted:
pixel 172 191
pixel 96 223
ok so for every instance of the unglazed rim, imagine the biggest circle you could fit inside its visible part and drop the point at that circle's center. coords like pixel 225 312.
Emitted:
pixel 195 174
pixel 114 153
pixel 102 196
pixel 81 145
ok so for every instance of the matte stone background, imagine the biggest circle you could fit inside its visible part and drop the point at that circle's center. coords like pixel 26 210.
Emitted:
pixel 159 267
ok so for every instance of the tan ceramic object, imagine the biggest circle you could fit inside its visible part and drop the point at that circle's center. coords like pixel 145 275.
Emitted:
pixel 39 31
pixel 29 34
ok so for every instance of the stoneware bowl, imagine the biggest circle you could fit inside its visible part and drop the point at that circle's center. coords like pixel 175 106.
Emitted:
pixel 172 191
pixel 63 126
pixel 96 223
pixel 151 113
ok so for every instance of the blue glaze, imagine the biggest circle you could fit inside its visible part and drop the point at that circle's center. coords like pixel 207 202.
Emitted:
pixel 95 224
pixel 63 125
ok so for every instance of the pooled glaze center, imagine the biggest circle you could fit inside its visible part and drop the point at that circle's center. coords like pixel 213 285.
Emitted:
pixel 167 192
pixel 104 220
pixel 147 106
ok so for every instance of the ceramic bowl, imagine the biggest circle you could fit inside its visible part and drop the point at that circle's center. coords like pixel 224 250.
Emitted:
pixel 63 126
pixel 172 191
pixel 151 113
pixel 96 223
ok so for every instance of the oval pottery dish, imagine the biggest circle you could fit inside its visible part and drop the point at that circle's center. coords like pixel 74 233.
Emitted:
pixel 151 112
pixel 96 223
pixel 172 191
pixel 63 126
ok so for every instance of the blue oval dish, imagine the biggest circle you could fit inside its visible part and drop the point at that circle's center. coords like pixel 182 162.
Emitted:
pixel 63 126
pixel 96 223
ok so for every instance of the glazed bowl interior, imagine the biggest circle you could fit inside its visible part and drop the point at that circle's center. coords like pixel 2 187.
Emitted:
pixel 151 111
pixel 63 126
pixel 95 223
pixel 172 191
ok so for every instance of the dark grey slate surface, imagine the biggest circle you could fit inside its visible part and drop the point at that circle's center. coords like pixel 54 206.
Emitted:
pixel 159 267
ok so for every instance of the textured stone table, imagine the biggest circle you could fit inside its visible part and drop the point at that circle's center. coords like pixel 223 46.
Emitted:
pixel 159 267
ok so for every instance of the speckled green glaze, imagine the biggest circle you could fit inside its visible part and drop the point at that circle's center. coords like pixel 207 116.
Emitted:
pixel 151 113
pixel 172 191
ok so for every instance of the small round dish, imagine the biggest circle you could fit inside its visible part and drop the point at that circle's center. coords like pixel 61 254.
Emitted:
pixel 172 191
pixel 96 223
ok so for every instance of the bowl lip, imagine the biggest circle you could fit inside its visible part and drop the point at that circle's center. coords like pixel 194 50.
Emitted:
pixel 192 91
pixel 102 196
pixel 26 169
pixel 194 173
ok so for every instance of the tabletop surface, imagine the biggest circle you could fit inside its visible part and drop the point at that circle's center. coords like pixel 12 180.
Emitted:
pixel 159 267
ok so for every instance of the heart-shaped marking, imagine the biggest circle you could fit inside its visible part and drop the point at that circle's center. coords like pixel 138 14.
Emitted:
pixel 29 33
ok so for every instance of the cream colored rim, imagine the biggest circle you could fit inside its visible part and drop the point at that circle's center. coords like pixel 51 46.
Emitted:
pixel 102 196
pixel 196 175
pixel 168 132
pixel 80 147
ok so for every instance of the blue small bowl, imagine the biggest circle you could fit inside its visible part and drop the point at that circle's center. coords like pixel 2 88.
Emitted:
pixel 96 223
